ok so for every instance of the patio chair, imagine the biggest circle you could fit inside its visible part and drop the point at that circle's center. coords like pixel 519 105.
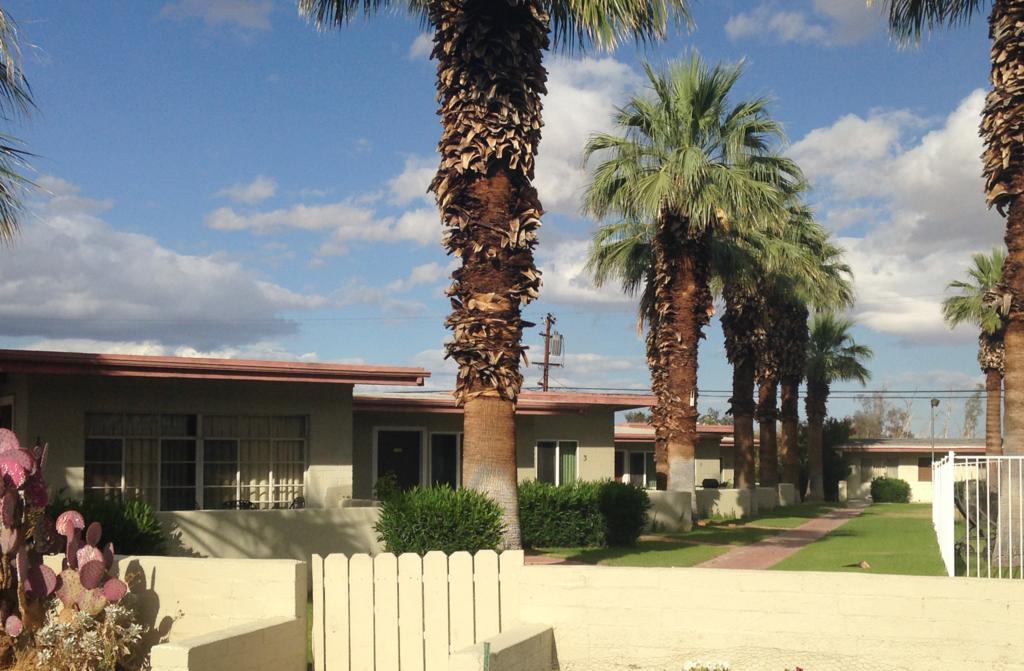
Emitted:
pixel 238 504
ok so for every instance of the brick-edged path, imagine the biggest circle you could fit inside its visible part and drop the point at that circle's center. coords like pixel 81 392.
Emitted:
pixel 770 551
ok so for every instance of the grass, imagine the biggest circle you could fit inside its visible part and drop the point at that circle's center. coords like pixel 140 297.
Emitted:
pixel 694 547
pixel 890 537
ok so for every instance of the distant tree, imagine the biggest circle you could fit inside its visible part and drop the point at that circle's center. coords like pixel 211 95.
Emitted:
pixel 972 412
pixel 835 464
pixel 879 418
pixel 638 417
pixel 714 416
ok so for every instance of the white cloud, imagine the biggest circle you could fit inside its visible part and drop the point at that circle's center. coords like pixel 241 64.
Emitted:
pixel 915 205
pixel 72 275
pixel 421 47
pixel 581 100
pixel 63 197
pixel 344 221
pixel 265 350
pixel 567 281
pixel 427 273
pixel 414 180
pixel 251 193
pixel 825 22
pixel 245 14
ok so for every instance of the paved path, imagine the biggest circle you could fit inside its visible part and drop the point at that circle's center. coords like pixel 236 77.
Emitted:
pixel 770 551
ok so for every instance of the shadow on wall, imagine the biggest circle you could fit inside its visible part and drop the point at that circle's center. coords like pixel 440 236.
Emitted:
pixel 271 534
pixel 148 609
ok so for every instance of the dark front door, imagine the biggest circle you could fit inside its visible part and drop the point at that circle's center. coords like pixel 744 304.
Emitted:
pixel 398 454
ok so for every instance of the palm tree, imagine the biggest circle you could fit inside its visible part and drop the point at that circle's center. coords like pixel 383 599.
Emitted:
pixel 974 305
pixel 832 356
pixel 15 100
pixel 1003 158
pixel 784 297
pixel 683 172
pixel 490 79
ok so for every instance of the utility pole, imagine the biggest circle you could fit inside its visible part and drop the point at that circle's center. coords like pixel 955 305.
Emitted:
pixel 549 320
pixel 934 404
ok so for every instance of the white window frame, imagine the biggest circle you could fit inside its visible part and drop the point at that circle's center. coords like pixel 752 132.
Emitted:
pixel 421 430
pixel 627 474
pixel 199 439
pixel 430 456
pixel 558 457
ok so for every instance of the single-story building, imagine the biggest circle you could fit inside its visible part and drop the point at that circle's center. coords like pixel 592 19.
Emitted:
pixel 908 459
pixel 634 453
pixel 561 437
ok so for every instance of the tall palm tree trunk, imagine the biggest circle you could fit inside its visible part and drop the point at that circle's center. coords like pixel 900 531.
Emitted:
pixel 742 402
pixel 767 415
pixel 993 414
pixel 490 80
pixel 817 398
pixel 789 413
pixel 682 302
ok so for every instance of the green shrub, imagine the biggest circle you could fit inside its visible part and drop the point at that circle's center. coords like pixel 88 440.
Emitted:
pixel 438 518
pixel 890 490
pixel 582 514
pixel 565 516
pixel 131 525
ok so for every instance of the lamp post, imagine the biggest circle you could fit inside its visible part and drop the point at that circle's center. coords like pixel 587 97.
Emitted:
pixel 934 404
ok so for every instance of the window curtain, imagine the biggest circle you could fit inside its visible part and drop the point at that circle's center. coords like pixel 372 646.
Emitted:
pixel 568 462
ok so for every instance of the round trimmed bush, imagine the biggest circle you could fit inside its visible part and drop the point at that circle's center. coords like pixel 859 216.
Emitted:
pixel 581 514
pixel 439 518
pixel 890 490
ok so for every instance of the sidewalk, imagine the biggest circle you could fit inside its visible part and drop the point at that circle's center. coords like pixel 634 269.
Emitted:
pixel 770 551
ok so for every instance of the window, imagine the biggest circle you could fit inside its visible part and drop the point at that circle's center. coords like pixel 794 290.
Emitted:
pixel 7 412
pixel 173 464
pixel 556 461
pixel 446 459
pixel 642 472
pixel 892 467
pixel 924 469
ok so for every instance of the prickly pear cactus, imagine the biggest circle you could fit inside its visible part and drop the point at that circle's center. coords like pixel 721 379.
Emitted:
pixel 25 582
pixel 85 583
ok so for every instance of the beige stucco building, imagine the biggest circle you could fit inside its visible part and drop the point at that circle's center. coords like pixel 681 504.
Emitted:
pixel 906 459
pixel 634 453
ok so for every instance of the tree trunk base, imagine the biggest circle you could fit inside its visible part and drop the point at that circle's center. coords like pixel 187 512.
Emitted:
pixel 489 459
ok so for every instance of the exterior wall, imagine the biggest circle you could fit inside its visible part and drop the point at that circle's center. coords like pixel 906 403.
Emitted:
pixel 594 430
pixel 271 534
pixel 711 460
pixel 858 485
pixel 220 613
pixel 670 511
pixel 613 617
pixel 52 408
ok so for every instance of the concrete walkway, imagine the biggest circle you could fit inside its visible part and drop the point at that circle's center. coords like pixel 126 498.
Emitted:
pixel 770 551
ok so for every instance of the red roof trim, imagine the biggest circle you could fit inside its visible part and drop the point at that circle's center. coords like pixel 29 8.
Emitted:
pixel 530 402
pixel 914 449
pixel 131 365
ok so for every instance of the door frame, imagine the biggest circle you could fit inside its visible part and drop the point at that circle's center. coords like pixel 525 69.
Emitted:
pixel 421 430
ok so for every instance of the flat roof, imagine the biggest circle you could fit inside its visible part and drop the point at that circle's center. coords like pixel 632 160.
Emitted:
pixel 132 365
pixel 913 446
pixel 530 402
pixel 636 432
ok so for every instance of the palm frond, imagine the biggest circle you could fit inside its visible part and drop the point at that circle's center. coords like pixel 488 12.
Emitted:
pixel 337 13
pixel 576 24
pixel 910 19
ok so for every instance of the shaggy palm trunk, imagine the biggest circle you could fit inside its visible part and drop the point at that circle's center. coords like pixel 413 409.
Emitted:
pixel 682 303
pixel 1002 127
pixel 490 80
pixel 767 415
pixel 817 398
pixel 743 423
pixel 789 413
pixel 993 414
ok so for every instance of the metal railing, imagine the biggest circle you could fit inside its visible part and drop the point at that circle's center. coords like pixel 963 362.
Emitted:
pixel 978 514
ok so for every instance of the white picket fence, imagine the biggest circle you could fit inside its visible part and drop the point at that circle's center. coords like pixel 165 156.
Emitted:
pixel 978 514
pixel 391 612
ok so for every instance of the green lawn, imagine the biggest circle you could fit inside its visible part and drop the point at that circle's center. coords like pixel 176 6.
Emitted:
pixel 891 537
pixel 703 543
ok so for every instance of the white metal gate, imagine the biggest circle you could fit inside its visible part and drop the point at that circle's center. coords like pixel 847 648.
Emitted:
pixel 978 514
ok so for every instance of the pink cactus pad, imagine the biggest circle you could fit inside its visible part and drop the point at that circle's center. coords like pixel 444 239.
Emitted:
pixel 114 590
pixel 8 441
pixel 68 522
pixel 13 626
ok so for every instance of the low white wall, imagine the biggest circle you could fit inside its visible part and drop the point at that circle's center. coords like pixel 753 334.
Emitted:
pixel 612 617
pixel 670 511
pixel 526 648
pixel 788 495
pixel 272 534
pixel 765 499
pixel 727 503
pixel 219 613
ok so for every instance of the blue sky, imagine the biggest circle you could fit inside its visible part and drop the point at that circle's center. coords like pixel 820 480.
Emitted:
pixel 220 178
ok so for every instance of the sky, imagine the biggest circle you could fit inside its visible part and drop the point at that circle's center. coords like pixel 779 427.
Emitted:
pixel 217 177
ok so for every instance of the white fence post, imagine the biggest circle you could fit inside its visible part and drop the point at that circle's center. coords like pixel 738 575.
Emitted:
pixel 943 510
